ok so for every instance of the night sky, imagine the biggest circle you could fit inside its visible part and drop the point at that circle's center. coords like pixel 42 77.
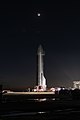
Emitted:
pixel 57 29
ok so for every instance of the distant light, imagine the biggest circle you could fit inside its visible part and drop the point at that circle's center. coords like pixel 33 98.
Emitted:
pixel 52 89
pixel 38 14
pixel 63 88
pixel 58 89
pixel 41 112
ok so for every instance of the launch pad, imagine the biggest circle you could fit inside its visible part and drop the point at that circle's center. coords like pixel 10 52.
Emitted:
pixel 27 96
pixel 29 93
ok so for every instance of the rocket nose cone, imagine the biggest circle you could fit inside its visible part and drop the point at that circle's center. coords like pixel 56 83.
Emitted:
pixel 40 49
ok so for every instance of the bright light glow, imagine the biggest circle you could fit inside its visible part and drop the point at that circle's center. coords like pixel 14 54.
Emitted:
pixel 76 84
pixel 53 99
pixel 52 89
pixel 38 14
pixel 58 89
pixel 41 112
pixel 40 100
pixel 63 88
pixel 7 91
pixel 28 93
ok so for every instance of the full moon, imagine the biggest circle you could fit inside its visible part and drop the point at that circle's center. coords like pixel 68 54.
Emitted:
pixel 38 14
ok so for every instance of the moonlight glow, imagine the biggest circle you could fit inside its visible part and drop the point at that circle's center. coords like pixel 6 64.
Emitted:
pixel 38 14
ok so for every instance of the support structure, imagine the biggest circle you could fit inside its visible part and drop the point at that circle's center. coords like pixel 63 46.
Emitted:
pixel 76 84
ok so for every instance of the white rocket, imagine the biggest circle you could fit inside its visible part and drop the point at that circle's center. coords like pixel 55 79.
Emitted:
pixel 41 78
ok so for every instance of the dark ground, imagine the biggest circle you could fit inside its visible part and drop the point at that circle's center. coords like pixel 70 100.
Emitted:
pixel 23 109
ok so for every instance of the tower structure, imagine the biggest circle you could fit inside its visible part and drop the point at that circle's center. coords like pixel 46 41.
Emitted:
pixel 76 84
pixel 41 78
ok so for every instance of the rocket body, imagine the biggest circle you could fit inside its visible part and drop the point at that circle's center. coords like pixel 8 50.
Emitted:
pixel 41 78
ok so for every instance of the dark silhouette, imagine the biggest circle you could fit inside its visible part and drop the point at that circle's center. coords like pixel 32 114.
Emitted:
pixel 0 93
